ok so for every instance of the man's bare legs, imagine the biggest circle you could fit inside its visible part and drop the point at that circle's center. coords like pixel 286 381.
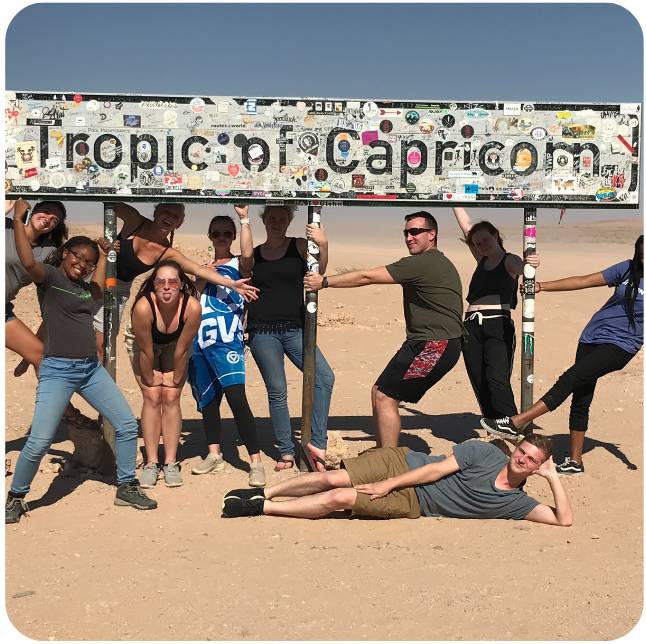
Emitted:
pixel 385 412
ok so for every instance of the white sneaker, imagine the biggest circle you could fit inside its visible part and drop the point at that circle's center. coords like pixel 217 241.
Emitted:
pixel 212 463
pixel 257 475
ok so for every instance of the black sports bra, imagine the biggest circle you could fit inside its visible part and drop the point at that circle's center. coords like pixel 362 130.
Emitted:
pixel 129 265
pixel 166 338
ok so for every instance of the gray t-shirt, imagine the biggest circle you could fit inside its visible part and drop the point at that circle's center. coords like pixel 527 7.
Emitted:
pixel 68 311
pixel 470 493
pixel 15 275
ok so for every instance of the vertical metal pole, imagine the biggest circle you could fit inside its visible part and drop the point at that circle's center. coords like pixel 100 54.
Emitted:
pixel 110 311
pixel 309 343
pixel 529 275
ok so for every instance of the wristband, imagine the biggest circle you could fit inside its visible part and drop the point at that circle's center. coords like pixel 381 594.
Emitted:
pixel 244 221
pixel 324 283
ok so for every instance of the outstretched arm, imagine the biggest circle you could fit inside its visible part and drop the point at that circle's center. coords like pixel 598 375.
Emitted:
pixel 561 513
pixel 98 278
pixel 36 270
pixel 379 275
pixel 246 241
pixel 419 476
pixel 466 224
pixel 575 283
pixel 130 216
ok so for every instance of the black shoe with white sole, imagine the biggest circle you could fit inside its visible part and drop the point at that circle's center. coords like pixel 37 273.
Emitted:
pixel 502 427
pixel 246 493
pixel 570 466
pixel 235 507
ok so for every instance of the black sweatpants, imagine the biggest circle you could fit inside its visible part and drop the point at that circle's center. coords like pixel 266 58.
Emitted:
pixel 246 423
pixel 592 361
pixel 489 357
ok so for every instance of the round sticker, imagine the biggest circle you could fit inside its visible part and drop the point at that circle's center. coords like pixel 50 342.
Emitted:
pixel 34 184
pixel 239 140
pixel 414 157
pixel 338 185
pixel 112 256
pixel 197 105
pixel 412 117
pixel 92 106
pixel 411 187
pixel 82 148
pixel 448 120
pixel 57 180
pixel 78 98
pixel 538 133
pixel 344 146
pixel 426 126
pixel 321 174
pixel 386 126
pixel 158 170
pixel 311 307
pixel 370 109
pixel 223 138
pixel 308 142
pixel 467 131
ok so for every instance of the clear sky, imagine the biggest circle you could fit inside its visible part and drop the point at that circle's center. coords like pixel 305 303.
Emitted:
pixel 459 51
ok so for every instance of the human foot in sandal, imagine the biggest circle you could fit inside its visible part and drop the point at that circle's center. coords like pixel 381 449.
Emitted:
pixel 286 462
pixel 316 457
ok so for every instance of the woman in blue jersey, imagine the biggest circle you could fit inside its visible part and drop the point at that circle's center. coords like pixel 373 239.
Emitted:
pixel 217 365
pixel 609 341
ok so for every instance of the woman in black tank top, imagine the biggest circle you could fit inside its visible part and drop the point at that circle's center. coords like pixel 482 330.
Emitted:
pixel 275 325
pixel 489 348
pixel 165 318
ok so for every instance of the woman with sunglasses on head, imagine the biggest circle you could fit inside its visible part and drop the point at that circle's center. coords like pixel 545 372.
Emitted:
pixel 217 366
pixel 165 319
pixel 275 324
pixel 609 341
pixel 70 364
pixel 489 348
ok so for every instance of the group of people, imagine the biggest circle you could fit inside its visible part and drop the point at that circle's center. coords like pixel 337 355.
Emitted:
pixel 181 328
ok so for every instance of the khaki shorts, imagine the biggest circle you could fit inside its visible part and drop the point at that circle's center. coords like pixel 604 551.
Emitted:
pixel 379 464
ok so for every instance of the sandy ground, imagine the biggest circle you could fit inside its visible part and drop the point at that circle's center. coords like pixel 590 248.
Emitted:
pixel 80 568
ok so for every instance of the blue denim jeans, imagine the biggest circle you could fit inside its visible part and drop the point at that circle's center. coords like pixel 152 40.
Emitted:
pixel 269 351
pixel 58 379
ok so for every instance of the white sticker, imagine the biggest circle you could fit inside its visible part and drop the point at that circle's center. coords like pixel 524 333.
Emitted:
pixel 311 307
pixel 57 180
pixel 628 108
pixel 530 379
pixel 112 256
pixel 511 109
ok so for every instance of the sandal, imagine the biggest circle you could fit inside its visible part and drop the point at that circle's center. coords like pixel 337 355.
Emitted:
pixel 286 462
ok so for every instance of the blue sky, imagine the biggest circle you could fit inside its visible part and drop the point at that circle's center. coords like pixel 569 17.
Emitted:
pixel 512 51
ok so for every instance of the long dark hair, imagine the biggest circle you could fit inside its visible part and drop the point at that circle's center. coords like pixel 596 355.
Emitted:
pixel 484 225
pixel 59 234
pixel 635 273
pixel 56 258
pixel 187 285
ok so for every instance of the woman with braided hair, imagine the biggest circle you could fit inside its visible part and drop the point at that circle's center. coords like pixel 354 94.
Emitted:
pixel 609 341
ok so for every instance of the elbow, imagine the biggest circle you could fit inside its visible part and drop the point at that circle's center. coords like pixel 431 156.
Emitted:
pixel 566 522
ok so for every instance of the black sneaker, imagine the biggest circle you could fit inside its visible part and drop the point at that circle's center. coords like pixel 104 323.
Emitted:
pixel 570 466
pixel 14 508
pixel 246 493
pixel 130 493
pixel 234 507
pixel 502 427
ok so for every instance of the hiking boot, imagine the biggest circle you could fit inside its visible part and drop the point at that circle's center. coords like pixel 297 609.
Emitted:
pixel 245 493
pixel 14 508
pixel 257 475
pixel 234 507
pixel 570 466
pixel 172 477
pixel 212 463
pixel 502 427
pixel 130 494
pixel 149 475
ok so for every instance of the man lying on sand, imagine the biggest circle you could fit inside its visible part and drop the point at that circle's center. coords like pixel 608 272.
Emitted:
pixel 478 481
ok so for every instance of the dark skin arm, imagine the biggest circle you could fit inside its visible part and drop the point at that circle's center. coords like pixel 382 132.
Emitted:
pixel 36 270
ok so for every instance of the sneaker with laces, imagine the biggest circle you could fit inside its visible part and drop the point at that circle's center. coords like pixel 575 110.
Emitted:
pixel 130 494
pixel 234 507
pixel 14 508
pixel 257 475
pixel 570 466
pixel 149 476
pixel 502 427
pixel 172 477
pixel 245 493
pixel 212 463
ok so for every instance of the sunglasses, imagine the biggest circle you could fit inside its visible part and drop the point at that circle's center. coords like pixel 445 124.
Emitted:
pixel 221 233
pixel 416 231
pixel 171 282
pixel 81 260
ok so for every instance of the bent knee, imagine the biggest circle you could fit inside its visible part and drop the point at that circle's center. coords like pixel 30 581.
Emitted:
pixel 341 498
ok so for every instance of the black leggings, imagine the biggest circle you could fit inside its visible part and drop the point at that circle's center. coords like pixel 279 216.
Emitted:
pixel 488 356
pixel 592 361
pixel 237 399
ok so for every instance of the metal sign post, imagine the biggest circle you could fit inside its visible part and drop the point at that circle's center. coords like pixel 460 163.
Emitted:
pixel 529 275
pixel 309 343
pixel 110 310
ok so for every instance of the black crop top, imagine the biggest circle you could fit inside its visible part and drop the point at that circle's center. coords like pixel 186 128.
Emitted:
pixel 496 281
pixel 166 338
pixel 280 304
pixel 129 265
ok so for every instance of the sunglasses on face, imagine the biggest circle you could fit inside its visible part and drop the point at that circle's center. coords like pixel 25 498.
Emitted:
pixel 171 282
pixel 416 231
pixel 81 260
pixel 227 234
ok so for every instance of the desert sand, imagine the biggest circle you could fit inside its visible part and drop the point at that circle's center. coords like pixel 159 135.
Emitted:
pixel 79 568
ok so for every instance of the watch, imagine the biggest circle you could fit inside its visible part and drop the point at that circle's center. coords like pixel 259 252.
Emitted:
pixel 324 284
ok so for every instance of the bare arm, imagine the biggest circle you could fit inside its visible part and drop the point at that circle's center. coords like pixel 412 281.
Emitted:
pixel 130 216
pixel 561 513
pixel 142 319
pixel 246 241
pixel 419 476
pixel 575 283
pixel 378 275
pixel 515 264
pixel 97 283
pixel 36 270
pixel 466 224
pixel 192 319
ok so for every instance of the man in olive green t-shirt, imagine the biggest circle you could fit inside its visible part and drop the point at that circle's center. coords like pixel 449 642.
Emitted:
pixel 433 313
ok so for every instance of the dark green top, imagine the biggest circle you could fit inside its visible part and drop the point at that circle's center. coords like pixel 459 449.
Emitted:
pixel 432 296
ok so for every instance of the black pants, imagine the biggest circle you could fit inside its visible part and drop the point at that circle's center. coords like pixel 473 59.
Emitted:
pixel 489 356
pixel 592 361
pixel 237 399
